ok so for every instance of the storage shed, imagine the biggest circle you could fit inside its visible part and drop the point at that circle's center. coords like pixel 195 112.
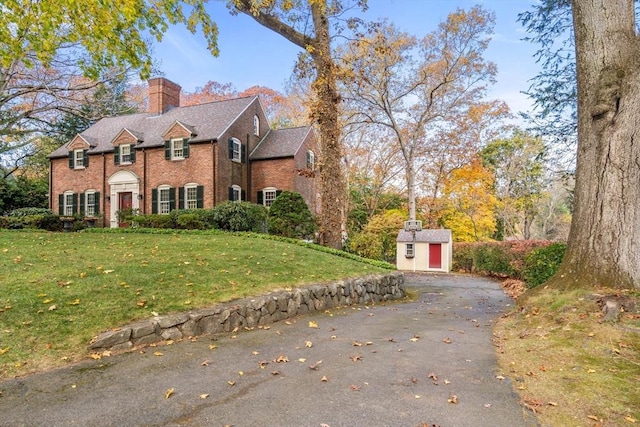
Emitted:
pixel 424 250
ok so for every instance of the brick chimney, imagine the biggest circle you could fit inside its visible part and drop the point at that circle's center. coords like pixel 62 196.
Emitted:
pixel 163 95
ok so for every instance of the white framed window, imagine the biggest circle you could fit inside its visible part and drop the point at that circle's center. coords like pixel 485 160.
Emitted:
pixel 90 203
pixel 78 159
pixel 236 150
pixel 69 208
pixel 125 153
pixel 164 199
pixel 177 148
pixel 191 196
pixel 268 196
pixel 256 125
pixel 236 193
pixel 409 250
pixel 311 160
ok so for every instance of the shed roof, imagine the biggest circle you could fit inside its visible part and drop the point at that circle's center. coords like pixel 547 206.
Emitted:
pixel 425 236
pixel 281 143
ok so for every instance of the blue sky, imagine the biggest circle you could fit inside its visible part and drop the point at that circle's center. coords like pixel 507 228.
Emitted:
pixel 253 55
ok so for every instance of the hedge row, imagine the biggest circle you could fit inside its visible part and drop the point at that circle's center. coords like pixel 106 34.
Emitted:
pixel 532 261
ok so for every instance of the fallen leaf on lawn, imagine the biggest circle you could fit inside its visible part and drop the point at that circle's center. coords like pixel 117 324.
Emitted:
pixel 316 365
pixel 231 383
pixel 543 368
pixel 593 417
pixel 446 341
pixel 355 387
pixel 168 393
pixel 630 419
pixel 282 359
pixel 110 271
pixel 313 324
pixel 355 357
pixel 53 307
pixel 205 363
pixel 591 371
pixel 308 344
pixel 204 396
pixel 141 303
pixel 4 350
pixel 324 379
pixel 75 302
pixel 453 399
pixel 552 403
pixel 95 356
pixel 212 346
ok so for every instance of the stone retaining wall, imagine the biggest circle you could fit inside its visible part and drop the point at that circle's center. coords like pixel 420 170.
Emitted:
pixel 252 312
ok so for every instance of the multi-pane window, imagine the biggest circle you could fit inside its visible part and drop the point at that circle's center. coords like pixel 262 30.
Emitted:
pixel 125 153
pixel 68 204
pixel 236 148
pixel 90 204
pixel 269 195
pixel 177 148
pixel 191 197
pixel 256 125
pixel 311 159
pixel 409 250
pixel 78 156
pixel 164 201
pixel 236 193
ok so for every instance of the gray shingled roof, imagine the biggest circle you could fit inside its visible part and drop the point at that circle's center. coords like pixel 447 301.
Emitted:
pixel 208 121
pixel 280 143
pixel 426 236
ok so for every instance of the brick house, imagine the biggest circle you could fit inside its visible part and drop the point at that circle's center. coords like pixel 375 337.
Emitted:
pixel 181 158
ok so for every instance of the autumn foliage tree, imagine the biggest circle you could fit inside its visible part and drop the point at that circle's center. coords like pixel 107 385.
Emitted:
pixel 416 89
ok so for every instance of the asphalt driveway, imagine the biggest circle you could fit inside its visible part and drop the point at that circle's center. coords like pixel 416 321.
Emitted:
pixel 427 362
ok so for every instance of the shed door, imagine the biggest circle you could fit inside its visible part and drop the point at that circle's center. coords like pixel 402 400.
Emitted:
pixel 435 255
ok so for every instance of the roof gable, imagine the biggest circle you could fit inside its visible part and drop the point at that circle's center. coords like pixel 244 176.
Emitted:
pixel 279 143
pixel 179 130
pixel 79 143
pixel 126 136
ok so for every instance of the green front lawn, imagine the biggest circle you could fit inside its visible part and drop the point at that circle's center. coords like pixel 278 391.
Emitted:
pixel 58 290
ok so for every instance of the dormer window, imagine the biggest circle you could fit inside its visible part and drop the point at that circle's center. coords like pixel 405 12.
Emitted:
pixel 256 125
pixel 125 153
pixel 176 149
pixel 78 159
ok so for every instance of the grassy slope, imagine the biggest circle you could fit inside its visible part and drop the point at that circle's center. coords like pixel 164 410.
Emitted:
pixel 568 365
pixel 58 290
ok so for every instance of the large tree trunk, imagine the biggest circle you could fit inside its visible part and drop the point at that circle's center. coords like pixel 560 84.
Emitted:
pixel 604 241
pixel 325 111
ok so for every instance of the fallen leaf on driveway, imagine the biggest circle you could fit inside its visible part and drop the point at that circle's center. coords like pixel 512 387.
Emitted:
pixel 446 341
pixel 231 383
pixel 158 353
pixel 453 399
pixel 308 344
pixel 168 393
pixel 282 359
pixel 313 324
pixel 205 363
pixel 316 365
pixel 356 344
pixel 355 387
pixel 355 357
pixel 204 396
pixel 324 379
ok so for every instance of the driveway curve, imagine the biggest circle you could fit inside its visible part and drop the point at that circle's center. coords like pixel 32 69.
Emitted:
pixel 421 363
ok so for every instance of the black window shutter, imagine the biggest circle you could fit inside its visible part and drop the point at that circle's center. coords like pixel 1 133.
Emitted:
pixel 180 197
pixel 243 195
pixel 243 153
pixel 85 158
pixel 230 193
pixel 278 192
pixel 96 201
pixel 71 162
pixel 154 201
pixel 185 147
pixel 132 154
pixel 231 148
pixel 200 196
pixel 260 198
pixel 60 204
pixel 75 203
pixel 116 155
pixel 172 198
pixel 81 203
pixel 167 150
